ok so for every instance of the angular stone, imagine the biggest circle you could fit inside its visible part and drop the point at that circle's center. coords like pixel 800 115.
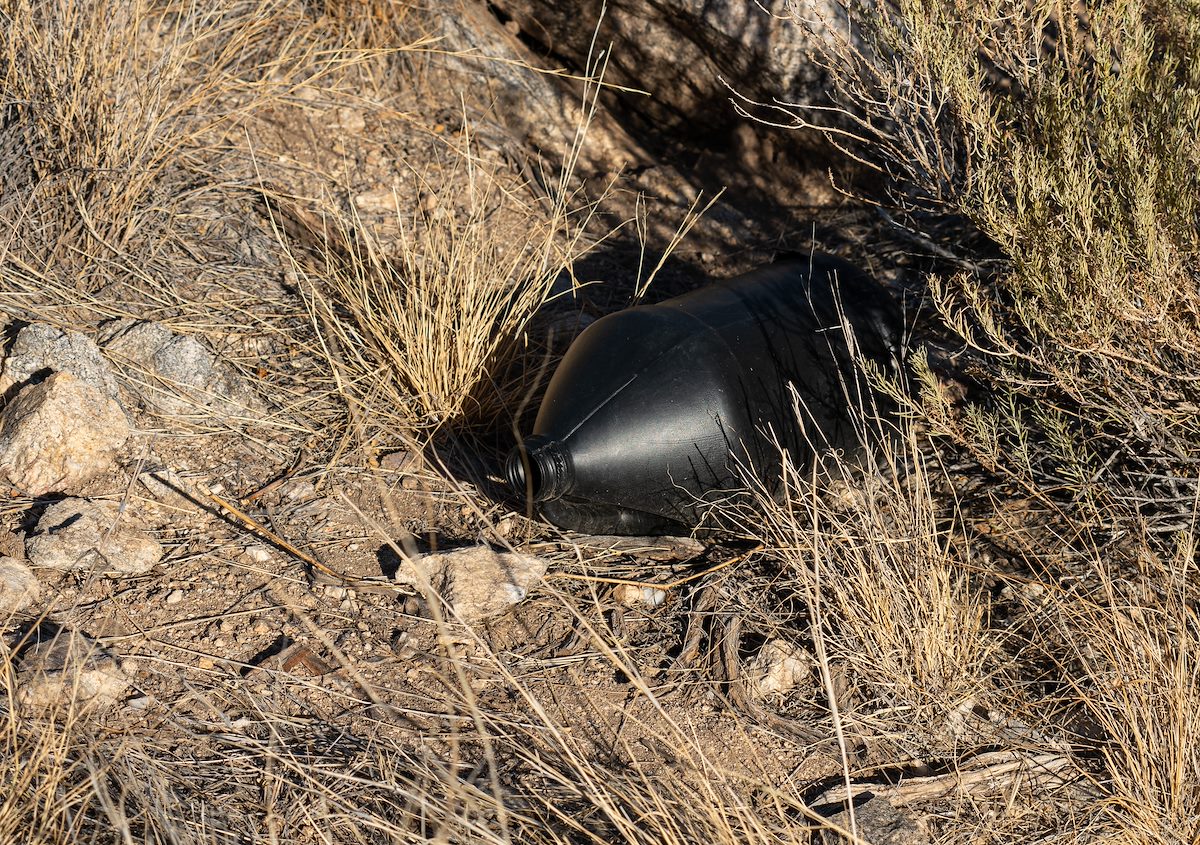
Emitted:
pixel 476 582
pixel 177 374
pixel 68 673
pixel 876 821
pixel 778 668
pixel 59 434
pixel 78 534
pixel 19 587
pixel 40 349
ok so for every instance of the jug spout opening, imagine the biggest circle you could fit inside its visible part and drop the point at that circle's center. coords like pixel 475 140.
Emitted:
pixel 539 469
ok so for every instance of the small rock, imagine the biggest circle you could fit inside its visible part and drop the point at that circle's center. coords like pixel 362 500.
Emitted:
pixel 177 374
pixel 476 582
pixel 77 534
pixel 876 821
pixel 58 434
pixel 777 668
pixel 39 349
pixel 68 672
pixel 299 491
pixel 401 461
pixel 19 587
pixel 258 554
pixel 505 527
pixel 377 201
pixel 631 595
pixel 174 597
pixel 350 120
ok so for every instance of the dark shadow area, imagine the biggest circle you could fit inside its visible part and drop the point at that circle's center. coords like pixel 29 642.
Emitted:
pixel 276 647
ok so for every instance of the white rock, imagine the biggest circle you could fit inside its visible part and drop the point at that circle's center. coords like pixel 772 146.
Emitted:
pixel 258 554
pixel 177 374
pixel 68 673
pixel 41 349
pixel 19 587
pixel 476 582
pixel 378 201
pixel 777 669
pixel 59 434
pixel 78 534
pixel 174 597
pixel 350 120
pixel 631 595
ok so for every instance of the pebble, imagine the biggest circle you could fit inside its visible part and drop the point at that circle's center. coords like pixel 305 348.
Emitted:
pixel 632 595
pixel 38 348
pixel 777 669
pixel 177 374
pixel 401 461
pixel 378 201
pixel 258 554
pixel 350 120
pixel 300 491
pixel 174 597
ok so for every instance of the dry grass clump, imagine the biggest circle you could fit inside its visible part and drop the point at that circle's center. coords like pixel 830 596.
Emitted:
pixel 1064 135
pixel 896 622
pixel 1133 669
pixel 1046 152
pixel 115 115
pixel 425 336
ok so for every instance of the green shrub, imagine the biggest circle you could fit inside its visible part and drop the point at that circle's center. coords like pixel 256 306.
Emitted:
pixel 1065 135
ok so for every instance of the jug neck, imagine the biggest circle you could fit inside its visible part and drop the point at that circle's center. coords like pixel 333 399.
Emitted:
pixel 540 468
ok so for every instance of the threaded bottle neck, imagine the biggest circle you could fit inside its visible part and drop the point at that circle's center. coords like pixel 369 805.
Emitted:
pixel 540 469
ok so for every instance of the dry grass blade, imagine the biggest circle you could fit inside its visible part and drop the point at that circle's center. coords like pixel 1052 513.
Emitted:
pixel 425 337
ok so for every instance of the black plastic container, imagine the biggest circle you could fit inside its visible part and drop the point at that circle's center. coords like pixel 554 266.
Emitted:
pixel 657 412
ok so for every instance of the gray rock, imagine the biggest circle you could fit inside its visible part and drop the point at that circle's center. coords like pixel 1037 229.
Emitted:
pixel 68 673
pixel 59 434
pixel 41 349
pixel 177 374
pixel 476 582
pixel 78 534
pixel 876 821
pixel 19 587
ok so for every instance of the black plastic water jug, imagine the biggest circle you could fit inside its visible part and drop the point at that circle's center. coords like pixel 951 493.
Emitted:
pixel 657 412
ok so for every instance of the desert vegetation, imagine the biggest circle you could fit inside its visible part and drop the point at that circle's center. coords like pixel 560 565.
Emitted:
pixel 313 265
